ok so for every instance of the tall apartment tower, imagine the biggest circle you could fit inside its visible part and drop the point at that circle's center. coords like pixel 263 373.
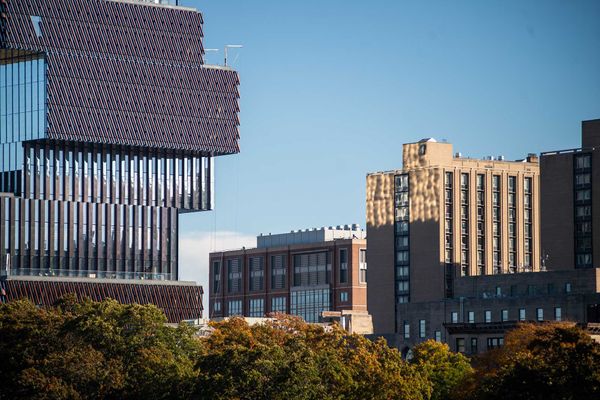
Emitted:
pixel 570 187
pixel 443 217
pixel 109 124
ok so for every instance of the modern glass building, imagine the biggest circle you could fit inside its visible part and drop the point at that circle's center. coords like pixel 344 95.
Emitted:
pixel 109 124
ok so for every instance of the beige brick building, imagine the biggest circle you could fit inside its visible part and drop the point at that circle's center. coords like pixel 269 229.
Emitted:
pixel 455 249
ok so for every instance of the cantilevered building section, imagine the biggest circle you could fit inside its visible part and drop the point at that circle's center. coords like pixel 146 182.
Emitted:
pixel 109 122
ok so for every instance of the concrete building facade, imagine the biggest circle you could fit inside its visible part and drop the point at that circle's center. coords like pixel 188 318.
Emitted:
pixel 303 273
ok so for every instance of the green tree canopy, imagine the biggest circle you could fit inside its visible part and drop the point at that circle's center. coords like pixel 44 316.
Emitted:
pixel 446 370
pixel 546 362
pixel 93 350
pixel 289 359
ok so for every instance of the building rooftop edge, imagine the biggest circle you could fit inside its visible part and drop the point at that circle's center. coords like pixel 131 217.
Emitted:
pixel 566 151
pixel 294 245
pixel 100 280
pixel 148 3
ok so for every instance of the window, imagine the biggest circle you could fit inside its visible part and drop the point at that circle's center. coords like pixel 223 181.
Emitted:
pixel 495 342
pixel 278 304
pixel 312 269
pixel 498 291
pixel 278 271
pixel 406 330
pixel 309 304
pixel 216 276
pixel 343 265
pixel 488 316
pixel 582 179
pixel 257 308
pixel 464 180
pixel 454 317
pixel 217 306
pixel 362 264
pixel 557 314
pixel 471 317
pixel 438 336
pixel 257 273
pixel 583 195
pixel 522 314
pixel 344 296
pixel 504 315
pixel 234 307
pixel 403 286
pixel 234 277
pixel 37 25
pixel 539 314
pixel 402 257
pixel 567 287
pixel 474 349
pixel 460 345
pixel 422 328
pixel 583 161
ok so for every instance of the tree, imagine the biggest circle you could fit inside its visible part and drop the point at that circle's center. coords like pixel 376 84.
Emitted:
pixel 93 350
pixel 549 361
pixel 446 370
pixel 287 358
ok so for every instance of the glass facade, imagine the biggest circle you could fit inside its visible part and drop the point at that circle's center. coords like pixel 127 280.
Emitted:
pixel 278 304
pixel 256 308
pixel 86 209
pixel 22 111
pixel 309 304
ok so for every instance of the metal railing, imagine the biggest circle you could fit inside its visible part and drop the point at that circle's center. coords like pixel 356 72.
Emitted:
pixel 91 274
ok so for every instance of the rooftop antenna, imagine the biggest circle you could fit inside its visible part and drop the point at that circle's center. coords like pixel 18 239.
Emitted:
pixel 231 46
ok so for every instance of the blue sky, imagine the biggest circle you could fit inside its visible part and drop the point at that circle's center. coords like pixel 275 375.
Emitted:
pixel 331 89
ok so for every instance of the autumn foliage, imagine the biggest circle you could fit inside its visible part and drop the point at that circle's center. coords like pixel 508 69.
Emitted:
pixel 105 350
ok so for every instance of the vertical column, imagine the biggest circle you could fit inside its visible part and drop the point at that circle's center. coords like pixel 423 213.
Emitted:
pixel 36 167
pixel 57 173
pixel 195 188
pixel 4 222
pixel 155 235
pixel 52 232
pixel 144 253
pixel 39 225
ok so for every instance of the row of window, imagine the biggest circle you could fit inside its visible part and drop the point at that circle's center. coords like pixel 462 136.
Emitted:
pixel 305 302
pixel 504 315
pixel 402 218
pixel 22 99
pixel 124 176
pixel 583 210
pixel 70 236
pixel 492 343
pixel 310 269
pixel 480 208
